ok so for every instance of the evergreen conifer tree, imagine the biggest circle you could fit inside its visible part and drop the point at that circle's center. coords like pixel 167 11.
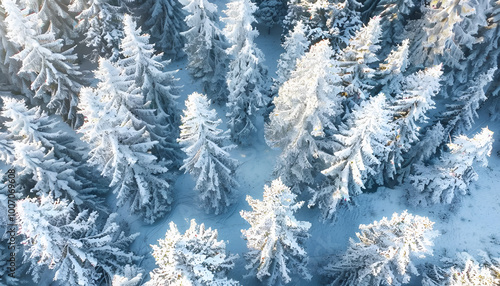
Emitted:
pixel 55 16
pixel 464 270
pixel 42 155
pixel 208 160
pixel 355 61
pixel 275 238
pixel 193 258
pixel 409 108
pixel 359 148
pixel 101 22
pixel 121 145
pixel 452 174
pixel 205 47
pixel 296 45
pixel 384 251
pixel 71 243
pixel 55 76
pixel 144 68
pixel 165 22
pixel 306 107
pixel 247 76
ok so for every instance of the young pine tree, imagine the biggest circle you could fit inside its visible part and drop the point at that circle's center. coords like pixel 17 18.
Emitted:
pixel 247 76
pixel 193 258
pixel 208 160
pixel 357 152
pixel 144 68
pixel 70 243
pixel 305 107
pixel 384 251
pixel 275 238
pixel 121 145
pixel 205 47
pixel 101 22
pixel 453 172
pixel 56 79
pixel 165 22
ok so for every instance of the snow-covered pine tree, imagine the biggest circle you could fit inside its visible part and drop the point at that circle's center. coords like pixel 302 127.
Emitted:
pixel 101 22
pixel 394 14
pixel 344 21
pixel 130 277
pixel 121 145
pixel 247 77
pixel 391 73
pixel 193 258
pixel 446 33
pixel 55 17
pixel 459 116
pixel 487 52
pixel 10 67
pixel 56 79
pixel 464 271
pixel 356 58
pixel 337 21
pixel 355 154
pixel 409 108
pixel 270 12
pixel 423 150
pixel 207 157
pixel 144 68
pixel 275 238
pixel 306 106
pixel 296 45
pixel 42 156
pixel 314 15
pixel 384 252
pixel 165 21
pixel 452 174
pixel 206 48
pixel 70 243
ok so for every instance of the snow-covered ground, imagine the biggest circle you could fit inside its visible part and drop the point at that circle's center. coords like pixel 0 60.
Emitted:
pixel 470 225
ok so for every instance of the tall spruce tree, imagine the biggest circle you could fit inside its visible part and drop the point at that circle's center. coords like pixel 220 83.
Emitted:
pixel 121 145
pixel 247 77
pixel 56 79
pixel 144 68
pixel 306 106
pixel 165 22
pixel 356 153
pixel 205 47
pixel 101 23
pixel 208 158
